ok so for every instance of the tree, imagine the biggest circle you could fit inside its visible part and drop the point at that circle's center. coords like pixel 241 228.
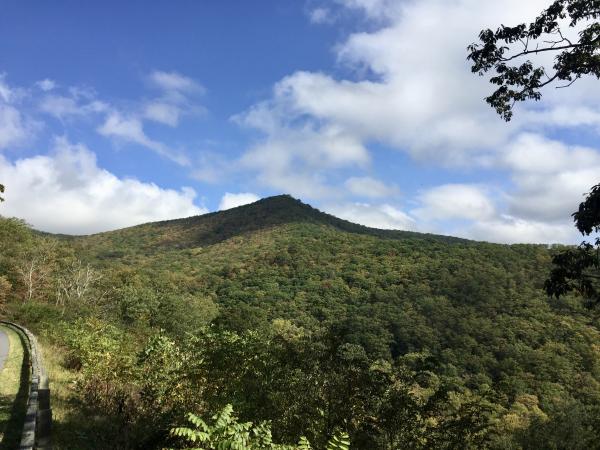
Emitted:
pixel 76 283
pixel 228 432
pixel 1 192
pixel 36 267
pixel 5 290
pixel 506 52
pixel 579 269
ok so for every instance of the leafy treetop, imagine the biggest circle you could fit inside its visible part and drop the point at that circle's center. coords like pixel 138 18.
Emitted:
pixel 500 51
pixel 578 269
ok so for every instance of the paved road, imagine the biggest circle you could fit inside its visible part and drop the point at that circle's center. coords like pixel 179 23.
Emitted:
pixel 3 348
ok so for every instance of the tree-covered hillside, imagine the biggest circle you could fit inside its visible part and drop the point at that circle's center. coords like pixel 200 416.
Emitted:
pixel 216 227
pixel 400 339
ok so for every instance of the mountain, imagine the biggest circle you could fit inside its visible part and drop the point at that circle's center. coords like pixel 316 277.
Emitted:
pixel 212 228
pixel 297 297
pixel 281 258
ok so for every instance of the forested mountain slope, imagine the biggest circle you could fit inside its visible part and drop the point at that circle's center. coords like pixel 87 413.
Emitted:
pixel 219 226
pixel 402 339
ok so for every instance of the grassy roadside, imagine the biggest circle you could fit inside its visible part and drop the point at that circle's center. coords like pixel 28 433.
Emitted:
pixel 14 384
pixel 74 426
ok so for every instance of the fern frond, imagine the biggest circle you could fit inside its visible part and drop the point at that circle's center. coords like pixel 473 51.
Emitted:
pixel 340 441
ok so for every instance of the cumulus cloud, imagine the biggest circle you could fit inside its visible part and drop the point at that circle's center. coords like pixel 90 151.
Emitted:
pixel 297 161
pixel 536 209
pixel 551 177
pixel 296 157
pixel 410 89
pixel 415 102
pixel 423 98
pixel 455 201
pixel 66 192
pixel 383 216
pixel 511 230
pixel 460 210
pixel 369 187
pixel 230 200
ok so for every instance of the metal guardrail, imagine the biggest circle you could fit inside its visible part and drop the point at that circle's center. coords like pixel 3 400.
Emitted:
pixel 38 418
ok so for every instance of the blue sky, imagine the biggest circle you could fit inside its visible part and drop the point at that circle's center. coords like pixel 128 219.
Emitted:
pixel 118 113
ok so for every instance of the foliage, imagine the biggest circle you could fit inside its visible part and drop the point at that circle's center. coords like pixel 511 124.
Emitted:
pixel 575 269
pixel 141 390
pixel 402 340
pixel 5 289
pixel 228 433
pixel 521 82
pixel 579 269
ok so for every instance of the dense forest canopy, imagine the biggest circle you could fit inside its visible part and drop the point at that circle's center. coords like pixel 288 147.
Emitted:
pixel 322 327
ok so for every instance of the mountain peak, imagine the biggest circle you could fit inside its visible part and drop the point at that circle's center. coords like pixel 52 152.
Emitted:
pixel 267 213
pixel 270 212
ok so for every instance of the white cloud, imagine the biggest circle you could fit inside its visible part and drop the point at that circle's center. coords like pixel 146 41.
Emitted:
pixel 374 9
pixel 382 216
pixel 174 82
pixel 6 92
pixel 296 160
pixel 62 107
pixel 368 187
pixel 46 84
pixel 320 16
pixel 175 100
pixel 549 181
pixel 512 230
pixel 67 192
pixel 455 201
pixel 162 112
pixel 125 121
pixel 295 155
pixel 468 211
pixel 230 200
pixel 16 128
pixel 411 89
pixel 423 98
pixel 550 177
pixel 130 129
pixel 535 153
pixel 459 210
pixel 420 97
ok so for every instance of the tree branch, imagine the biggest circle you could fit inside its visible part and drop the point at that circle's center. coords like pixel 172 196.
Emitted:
pixel 545 49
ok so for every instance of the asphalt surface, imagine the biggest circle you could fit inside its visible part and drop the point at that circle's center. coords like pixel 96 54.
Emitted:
pixel 3 348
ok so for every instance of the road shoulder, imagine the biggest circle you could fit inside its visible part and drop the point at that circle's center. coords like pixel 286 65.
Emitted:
pixel 13 391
